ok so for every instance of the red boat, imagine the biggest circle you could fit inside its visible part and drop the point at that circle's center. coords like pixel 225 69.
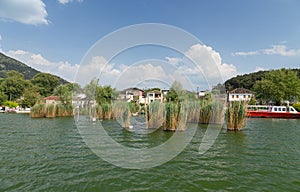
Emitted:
pixel 287 112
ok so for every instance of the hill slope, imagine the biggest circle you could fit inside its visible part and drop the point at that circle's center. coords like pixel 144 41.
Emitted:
pixel 248 80
pixel 8 63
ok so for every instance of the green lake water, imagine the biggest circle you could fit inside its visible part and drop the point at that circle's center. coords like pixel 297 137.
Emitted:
pixel 50 155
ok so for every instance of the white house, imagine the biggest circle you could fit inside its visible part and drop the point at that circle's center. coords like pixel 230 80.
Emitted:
pixel 240 94
pixel 154 95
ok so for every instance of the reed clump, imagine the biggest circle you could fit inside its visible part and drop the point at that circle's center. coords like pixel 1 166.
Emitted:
pixel 235 115
pixel 205 111
pixel 38 110
pixel 155 114
pixel 51 110
pixel 172 116
pixel 121 111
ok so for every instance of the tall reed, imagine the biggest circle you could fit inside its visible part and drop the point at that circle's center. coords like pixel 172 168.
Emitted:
pixel 235 115
pixel 172 116
pixel 155 114
pixel 122 113
pixel 205 111
pixel 38 110
pixel 51 110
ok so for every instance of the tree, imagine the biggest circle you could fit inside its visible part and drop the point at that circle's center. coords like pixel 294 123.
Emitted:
pixel 46 83
pixel 65 93
pixel 277 86
pixel 3 96
pixel 90 89
pixel 105 94
pixel 30 97
pixel 14 84
pixel 175 92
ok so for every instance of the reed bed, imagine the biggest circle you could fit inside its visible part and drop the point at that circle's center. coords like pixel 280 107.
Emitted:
pixel 205 111
pixel 38 110
pixel 155 114
pixel 172 114
pixel 51 110
pixel 235 115
pixel 121 111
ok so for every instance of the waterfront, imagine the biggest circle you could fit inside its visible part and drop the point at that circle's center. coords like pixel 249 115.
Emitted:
pixel 39 154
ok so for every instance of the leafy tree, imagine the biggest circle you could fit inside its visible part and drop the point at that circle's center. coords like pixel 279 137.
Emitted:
pixel 3 96
pixel 90 89
pixel 46 83
pixel 175 92
pixel 14 84
pixel 278 85
pixel 30 97
pixel 105 94
pixel 65 93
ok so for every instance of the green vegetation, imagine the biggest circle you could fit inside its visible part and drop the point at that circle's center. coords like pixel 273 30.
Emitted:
pixel 9 64
pixel 270 86
pixel 235 115
pixel 297 106
pixel 277 86
pixel 51 110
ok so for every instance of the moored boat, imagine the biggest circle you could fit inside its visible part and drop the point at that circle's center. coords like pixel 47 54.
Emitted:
pixel 264 111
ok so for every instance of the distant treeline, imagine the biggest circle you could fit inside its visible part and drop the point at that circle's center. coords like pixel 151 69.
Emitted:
pixel 248 80
pixel 277 86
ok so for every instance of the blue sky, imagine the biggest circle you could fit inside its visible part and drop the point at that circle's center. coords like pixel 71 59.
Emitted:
pixel 54 36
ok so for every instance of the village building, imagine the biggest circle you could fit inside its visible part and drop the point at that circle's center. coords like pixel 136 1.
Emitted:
pixel 154 95
pixel 240 94
pixel 51 100
pixel 132 94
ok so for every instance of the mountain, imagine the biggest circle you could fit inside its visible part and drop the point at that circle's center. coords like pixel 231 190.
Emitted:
pixel 248 80
pixel 8 63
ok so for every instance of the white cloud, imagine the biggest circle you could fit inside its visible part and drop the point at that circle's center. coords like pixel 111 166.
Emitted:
pixel 28 12
pixel 281 50
pixel 209 62
pixel 259 69
pixel 247 53
pixel 173 60
pixel 68 1
pixel 37 61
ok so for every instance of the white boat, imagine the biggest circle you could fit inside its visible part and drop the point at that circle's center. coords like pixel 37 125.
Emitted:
pixel 26 110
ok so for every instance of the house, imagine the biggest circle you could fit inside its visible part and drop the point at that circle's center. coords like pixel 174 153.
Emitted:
pixel 240 94
pixel 51 100
pixel 154 95
pixel 132 94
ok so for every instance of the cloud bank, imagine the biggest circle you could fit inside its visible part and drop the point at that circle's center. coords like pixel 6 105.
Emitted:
pixel 67 1
pixel 201 65
pixel 31 12
pixel 281 50
pixel 37 61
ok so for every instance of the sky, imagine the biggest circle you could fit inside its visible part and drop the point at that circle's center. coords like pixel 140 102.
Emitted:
pixel 235 37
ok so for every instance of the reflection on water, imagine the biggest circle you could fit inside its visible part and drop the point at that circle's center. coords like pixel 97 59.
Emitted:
pixel 50 155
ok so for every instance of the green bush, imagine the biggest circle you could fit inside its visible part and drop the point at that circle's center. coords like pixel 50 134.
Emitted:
pixel 297 106
pixel 10 104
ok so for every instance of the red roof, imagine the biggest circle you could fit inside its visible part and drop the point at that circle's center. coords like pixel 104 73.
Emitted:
pixel 55 98
pixel 240 90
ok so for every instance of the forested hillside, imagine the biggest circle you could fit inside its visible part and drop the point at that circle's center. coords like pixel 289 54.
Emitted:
pixel 8 64
pixel 248 80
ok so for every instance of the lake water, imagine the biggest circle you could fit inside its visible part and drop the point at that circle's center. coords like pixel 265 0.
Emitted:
pixel 50 155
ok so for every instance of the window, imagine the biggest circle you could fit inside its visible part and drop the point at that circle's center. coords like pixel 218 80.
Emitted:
pixel 232 96
pixel 283 109
pixel 237 96
pixel 244 96
pixel 249 96
pixel 279 109
pixel 291 109
pixel 275 109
